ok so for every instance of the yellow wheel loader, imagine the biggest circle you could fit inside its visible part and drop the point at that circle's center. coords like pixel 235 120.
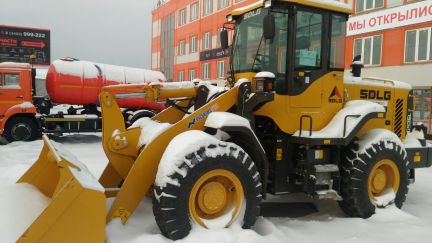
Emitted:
pixel 288 121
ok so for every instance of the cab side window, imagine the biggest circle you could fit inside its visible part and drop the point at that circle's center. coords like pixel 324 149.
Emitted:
pixel 9 81
pixel 308 41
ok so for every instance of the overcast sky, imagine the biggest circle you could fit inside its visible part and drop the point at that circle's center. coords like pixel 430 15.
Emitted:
pixel 107 31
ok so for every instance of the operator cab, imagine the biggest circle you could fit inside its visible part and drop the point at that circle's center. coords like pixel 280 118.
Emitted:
pixel 298 43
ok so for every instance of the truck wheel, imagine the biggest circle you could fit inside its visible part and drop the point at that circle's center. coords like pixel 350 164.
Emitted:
pixel 368 178
pixel 21 129
pixel 214 190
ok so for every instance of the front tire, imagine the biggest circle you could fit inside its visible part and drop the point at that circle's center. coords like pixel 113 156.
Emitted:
pixel 213 186
pixel 21 129
pixel 370 174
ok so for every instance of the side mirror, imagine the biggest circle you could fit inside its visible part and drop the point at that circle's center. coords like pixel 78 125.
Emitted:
pixel 224 39
pixel 269 27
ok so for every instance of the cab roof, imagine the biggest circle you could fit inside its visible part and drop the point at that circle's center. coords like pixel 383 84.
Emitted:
pixel 322 4
pixel 14 65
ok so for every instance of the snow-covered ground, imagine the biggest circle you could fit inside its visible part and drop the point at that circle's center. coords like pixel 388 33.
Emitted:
pixel 412 224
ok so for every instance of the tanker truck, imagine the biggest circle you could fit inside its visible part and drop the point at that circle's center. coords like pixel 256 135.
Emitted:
pixel 24 116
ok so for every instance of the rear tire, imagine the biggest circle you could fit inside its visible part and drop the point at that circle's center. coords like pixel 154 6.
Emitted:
pixel 359 172
pixel 172 204
pixel 21 129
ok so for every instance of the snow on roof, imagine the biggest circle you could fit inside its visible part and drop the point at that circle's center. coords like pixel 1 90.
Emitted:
pixel 118 74
pixel 252 6
pixel 327 4
pixel 14 64
pixel 334 3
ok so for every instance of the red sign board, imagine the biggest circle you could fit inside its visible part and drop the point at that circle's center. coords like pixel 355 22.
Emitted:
pixel 21 44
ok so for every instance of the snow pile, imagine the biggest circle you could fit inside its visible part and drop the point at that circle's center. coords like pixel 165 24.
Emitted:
pixel 376 82
pixel 225 119
pixel 21 204
pixel 183 144
pixel 24 105
pixel 16 158
pixel 388 225
pixel 213 90
pixel 412 139
pixel 386 198
pixel 335 128
pixel 82 174
pixel 150 129
pixel 375 136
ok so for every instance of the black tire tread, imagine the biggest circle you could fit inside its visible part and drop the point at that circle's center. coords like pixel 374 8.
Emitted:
pixel 355 168
pixel 175 224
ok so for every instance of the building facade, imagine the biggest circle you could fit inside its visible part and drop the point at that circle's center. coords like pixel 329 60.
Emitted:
pixel 185 43
pixel 394 38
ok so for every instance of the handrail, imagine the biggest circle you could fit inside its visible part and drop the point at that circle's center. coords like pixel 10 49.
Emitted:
pixel 345 122
pixel 301 124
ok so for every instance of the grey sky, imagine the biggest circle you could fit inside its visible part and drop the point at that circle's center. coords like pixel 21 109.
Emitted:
pixel 107 31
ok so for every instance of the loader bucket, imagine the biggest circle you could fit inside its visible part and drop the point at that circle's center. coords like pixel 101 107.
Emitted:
pixel 76 212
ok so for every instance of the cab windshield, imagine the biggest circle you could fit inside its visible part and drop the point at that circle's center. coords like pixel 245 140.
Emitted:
pixel 251 52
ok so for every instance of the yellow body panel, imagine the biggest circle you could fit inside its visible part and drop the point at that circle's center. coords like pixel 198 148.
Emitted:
pixel 142 175
pixel 75 213
pixel 381 87
pixel 286 111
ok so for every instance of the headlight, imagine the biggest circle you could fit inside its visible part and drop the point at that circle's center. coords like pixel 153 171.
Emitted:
pixel 260 85
pixel 267 4
pixel 230 18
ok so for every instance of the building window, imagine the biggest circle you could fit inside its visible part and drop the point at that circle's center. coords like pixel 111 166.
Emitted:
pixel 193 44
pixel 218 37
pixel 182 17
pixel 364 5
pixel 194 11
pixel 221 69
pixel 208 7
pixel 206 70
pixel 370 49
pixel 418 45
pixel 192 74
pixel 181 48
pixel 223 4
pixel 181 76
pixel 207 41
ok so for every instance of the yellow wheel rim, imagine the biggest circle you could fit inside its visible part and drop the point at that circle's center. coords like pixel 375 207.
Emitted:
pixel 383 176
pixel 214 194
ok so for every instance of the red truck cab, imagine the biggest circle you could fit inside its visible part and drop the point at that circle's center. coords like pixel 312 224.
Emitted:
pixel 17 112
